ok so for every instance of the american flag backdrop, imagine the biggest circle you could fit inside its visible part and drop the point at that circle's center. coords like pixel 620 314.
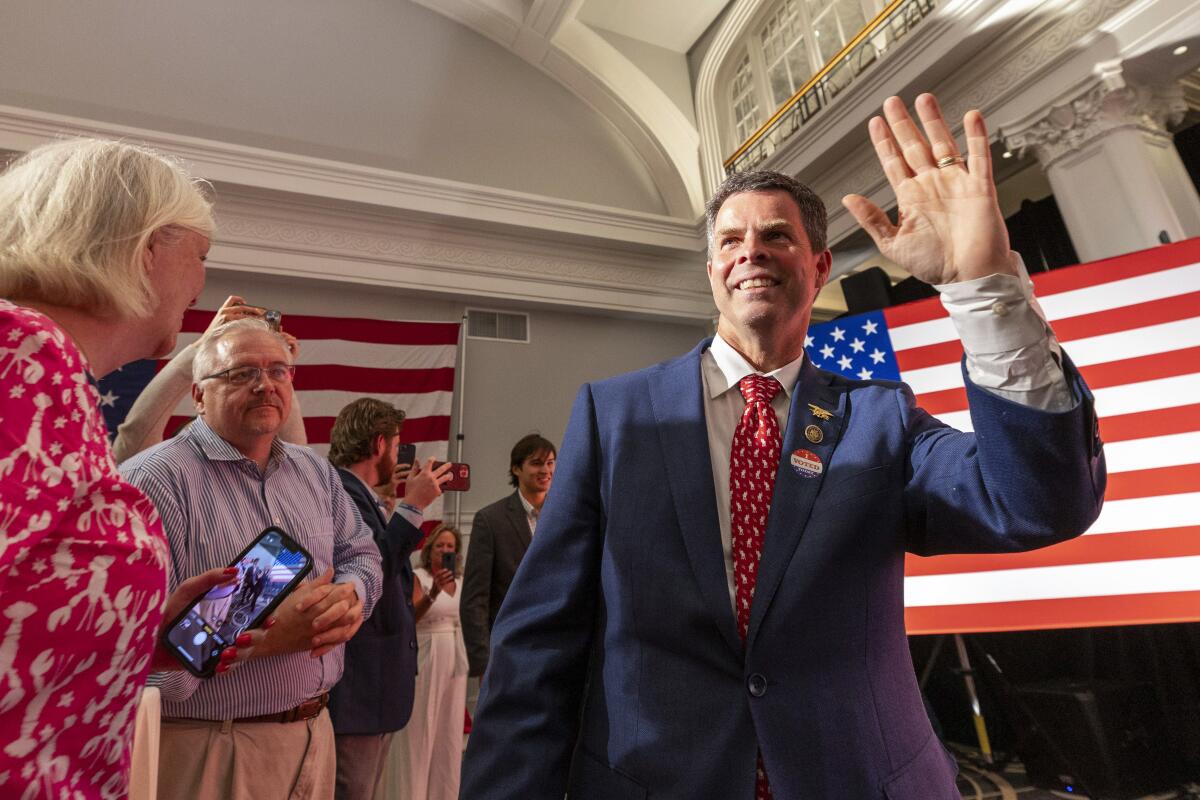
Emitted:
pixel 409 364
pixel 1132 326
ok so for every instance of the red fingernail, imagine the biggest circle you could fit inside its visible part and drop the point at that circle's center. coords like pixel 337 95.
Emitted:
pixel 231 570
pixel 270 623
pixel 243 640
pixel 229 654
pixel 223 668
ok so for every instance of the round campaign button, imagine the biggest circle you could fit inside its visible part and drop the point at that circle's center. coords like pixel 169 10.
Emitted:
pixel 807 464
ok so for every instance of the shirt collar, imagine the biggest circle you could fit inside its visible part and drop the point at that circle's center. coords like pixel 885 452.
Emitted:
pixel 731 367
pixel 215 448
pixel 530 511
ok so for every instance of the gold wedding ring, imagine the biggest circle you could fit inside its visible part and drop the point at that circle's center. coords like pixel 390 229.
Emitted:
pixel 947 161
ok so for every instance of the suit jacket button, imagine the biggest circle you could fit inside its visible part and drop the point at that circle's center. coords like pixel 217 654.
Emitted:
pixel 412 644
pixel 757 685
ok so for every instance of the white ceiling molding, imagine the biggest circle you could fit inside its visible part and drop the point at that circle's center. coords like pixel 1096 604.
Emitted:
pixel 335 181
pixel 262 233
pixel 550 38
pixel 709 93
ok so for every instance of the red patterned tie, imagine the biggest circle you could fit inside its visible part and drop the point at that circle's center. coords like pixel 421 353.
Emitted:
pixel 752 465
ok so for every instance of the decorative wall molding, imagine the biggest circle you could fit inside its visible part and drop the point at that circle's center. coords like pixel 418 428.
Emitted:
pixel 336 181
pixel 546 34
pixel 1108 104
pixel 261 233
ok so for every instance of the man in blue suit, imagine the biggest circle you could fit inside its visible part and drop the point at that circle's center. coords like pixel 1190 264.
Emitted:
pixel 374 698
pixel 656 642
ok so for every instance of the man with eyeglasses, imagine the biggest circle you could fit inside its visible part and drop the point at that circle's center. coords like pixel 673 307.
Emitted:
pixel 264 730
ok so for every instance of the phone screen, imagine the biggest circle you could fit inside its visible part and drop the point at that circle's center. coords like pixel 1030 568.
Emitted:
pixel 406 454
pixel 267 570
pixel 448 561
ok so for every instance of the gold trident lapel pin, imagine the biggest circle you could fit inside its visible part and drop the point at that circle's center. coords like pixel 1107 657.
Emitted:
pixel 819 412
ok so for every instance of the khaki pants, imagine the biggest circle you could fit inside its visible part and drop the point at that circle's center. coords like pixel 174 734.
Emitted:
pixel 201 760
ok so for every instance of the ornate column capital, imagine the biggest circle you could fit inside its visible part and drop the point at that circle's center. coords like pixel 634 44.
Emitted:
pixel 1109 103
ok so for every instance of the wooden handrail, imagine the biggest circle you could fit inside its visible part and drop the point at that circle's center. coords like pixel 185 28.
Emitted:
pixel 825 70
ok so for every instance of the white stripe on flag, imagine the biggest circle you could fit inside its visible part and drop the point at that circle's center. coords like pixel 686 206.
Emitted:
pixel 329 403
pixel 1103 579
pixel 1148 513
pixel 1152 452
pixel 1150 340
pixel 1140 289
pixel 363 354
pixel 1125 292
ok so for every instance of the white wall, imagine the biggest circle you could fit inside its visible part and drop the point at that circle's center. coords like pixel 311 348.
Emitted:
pixel 384 83
pixel 512 389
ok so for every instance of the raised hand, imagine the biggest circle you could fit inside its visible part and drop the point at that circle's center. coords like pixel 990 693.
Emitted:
pixel 233 308
pixel 949 223
pixel 423 483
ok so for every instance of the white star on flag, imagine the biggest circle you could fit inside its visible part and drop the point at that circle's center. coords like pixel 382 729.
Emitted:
pixel 108 398
pixel 877 356
pixel 827 352
pixel 845 363
pixel 808 341
pixel 870 326
pixel 864 374
pixel 838 334
pixel 857 345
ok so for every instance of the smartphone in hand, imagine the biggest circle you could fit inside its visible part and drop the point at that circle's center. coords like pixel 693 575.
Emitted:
pixel 268 570
pixel 448 560
pixel 406 454
pixel 460 480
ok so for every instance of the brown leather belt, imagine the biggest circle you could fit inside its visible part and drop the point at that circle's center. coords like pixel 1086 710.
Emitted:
pixel 306 710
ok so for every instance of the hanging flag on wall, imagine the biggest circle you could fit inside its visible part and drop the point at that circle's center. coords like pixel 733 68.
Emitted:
pixel 408 364
pixel 1132 326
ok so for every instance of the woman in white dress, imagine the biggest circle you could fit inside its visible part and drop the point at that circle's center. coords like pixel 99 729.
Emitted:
pixel 426 755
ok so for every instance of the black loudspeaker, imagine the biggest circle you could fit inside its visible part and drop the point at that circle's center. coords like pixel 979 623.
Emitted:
pixel 867 290
pixel 1096 738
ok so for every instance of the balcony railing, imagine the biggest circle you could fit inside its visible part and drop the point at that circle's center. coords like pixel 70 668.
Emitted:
pixel 892 24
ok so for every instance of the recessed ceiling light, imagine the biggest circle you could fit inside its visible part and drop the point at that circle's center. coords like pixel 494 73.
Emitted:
pixel 1006 154
pixel 1180 50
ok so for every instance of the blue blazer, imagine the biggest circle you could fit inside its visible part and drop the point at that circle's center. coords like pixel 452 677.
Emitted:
pixel 616 668
pixel 375 694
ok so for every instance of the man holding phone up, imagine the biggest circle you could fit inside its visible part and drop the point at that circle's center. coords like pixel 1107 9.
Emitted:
pixel 375 696
pixel 263 731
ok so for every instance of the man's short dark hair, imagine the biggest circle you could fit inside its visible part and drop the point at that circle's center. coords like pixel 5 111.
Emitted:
pixel 357 425
pixel 531 445
pixel 812 208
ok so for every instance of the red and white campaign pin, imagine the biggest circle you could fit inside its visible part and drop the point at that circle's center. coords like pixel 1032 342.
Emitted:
pixel 807 464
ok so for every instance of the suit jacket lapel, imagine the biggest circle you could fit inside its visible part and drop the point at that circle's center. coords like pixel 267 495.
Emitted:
pixel 677 400
pixel 794 495
pixel 519 520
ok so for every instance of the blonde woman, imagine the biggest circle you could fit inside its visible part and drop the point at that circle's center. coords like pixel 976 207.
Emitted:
pixel 102 249
pixel 427 753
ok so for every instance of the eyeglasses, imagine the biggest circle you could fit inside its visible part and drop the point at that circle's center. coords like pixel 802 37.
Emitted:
pixel 246 376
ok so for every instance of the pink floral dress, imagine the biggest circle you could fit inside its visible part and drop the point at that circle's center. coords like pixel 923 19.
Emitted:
pixel 82 575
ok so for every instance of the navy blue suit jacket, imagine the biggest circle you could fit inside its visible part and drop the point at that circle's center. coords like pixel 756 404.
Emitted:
pixel 616 668
pixel 375 694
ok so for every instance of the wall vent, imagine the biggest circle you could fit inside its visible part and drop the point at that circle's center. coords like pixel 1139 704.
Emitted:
pixel 504 326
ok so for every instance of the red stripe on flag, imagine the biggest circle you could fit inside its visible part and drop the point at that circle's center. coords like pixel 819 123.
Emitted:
pixel 337 377
pixel 1129 265
pixel 930 355
pixel 912 313
pixel 1141 368
pixel 1143 424
pixel 1153 482
pixel 1080 276
pixel 1126 546
pixel 1156 312
pixel 352 329
pixel 1073 612
pixel 944 401
pixel 419 429
pixel 1125 318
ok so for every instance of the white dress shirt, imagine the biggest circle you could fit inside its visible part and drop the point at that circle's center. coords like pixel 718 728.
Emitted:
pixel 1010 351
pixel 531 514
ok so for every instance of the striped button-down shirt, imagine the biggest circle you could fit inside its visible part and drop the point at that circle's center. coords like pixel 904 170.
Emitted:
pixel 213 502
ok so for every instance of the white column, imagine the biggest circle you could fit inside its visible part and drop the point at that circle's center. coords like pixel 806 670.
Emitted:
pixel 1116 174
